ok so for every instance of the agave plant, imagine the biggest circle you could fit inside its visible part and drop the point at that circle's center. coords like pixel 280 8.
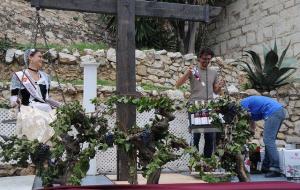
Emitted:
pixel 275 72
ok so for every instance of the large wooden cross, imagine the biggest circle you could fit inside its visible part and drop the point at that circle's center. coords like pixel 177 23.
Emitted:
pixel 126 10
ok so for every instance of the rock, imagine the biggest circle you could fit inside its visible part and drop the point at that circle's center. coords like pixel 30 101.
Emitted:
pixel 76 53
pixel 65 58
pixel 283 90
pixel 175 94
pixel 88 59
pixel 251 92
pixel 260 124
pixel 174 55
pixel 173 68
pixel 232 89
pixel 71 89
pixel 157 65
pixel 292 104
pixel 141 70
pixel 281 136
pixel 99 53
pixel 297 128
pixel 283 128
pixel 295 118
pixel 107 88
pixel 111 55
pixel 255 141
pixel 10 54
pixel 293 139
pixel 65 50
pixel 297 104
pixel 280 143
pixel 153 78
pixel 288 123
pixel 88 52
pixel 6 94
pixel 273 93
pixel 19 54
pixel 53 53
pixel 294 98
pixel 162 52
pixel 140 54
pixel 189 57
pixel 154 93
pixel 165 59
pixel 155 72
pixel 187 95
pixel 293 92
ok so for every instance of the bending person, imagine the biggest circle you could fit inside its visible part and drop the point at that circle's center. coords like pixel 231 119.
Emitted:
pixel 273 113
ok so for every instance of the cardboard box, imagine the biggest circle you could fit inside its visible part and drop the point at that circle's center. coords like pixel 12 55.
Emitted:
pixel 292 163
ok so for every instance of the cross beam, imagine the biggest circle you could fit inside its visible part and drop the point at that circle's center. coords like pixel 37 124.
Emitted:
pixel 142 8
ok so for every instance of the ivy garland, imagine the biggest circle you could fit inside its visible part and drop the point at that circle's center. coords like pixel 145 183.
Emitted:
pixel 66 159
pixel 235 136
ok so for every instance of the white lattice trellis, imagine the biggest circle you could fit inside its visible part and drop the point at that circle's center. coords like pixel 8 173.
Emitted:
pixel 107 161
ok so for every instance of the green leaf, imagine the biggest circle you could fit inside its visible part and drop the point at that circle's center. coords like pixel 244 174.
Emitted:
pixel 255 60
pixel 289 63
pixel 283 55
pixel 270 62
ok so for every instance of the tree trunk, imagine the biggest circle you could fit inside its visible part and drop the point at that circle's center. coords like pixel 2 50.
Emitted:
pixel 193 31
pixel 240 169
pixel 154 177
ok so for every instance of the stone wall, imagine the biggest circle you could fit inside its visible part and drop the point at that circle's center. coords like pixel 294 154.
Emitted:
pixel 248 24
pixel 16 17
pixel 161 68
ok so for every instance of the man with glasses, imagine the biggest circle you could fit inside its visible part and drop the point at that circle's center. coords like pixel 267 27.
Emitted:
pixel 203 84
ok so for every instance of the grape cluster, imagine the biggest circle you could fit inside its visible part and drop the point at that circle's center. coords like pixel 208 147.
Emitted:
pixel 229 112
pixel 41 153
pixel 146 136
pixel 109 138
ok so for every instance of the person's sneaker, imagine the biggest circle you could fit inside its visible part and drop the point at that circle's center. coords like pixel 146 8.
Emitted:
pixel 264 170
pixel 273 174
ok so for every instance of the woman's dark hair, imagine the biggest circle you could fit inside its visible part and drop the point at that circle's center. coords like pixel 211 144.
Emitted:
pixel 33 51
pixel 28 53
pixel 206 51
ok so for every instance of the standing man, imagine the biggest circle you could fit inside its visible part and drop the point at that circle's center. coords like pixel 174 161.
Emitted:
pixel 202 88
pixel 261 107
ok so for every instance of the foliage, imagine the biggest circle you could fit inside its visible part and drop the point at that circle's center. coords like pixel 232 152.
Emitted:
pixel 235 134
pixel 4 104
pixel 167 34
pixel 66 161
pixel 275 72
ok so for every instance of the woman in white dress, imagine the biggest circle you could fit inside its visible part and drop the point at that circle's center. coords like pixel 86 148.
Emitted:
pixel 30 87
pixel 30 91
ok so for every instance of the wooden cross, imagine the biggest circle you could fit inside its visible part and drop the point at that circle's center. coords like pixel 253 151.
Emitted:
pixel 126 10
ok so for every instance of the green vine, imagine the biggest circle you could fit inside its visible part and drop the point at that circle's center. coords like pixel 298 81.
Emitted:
pixel 235 133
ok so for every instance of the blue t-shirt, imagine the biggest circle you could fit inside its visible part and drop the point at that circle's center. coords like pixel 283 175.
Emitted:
pixel 260 107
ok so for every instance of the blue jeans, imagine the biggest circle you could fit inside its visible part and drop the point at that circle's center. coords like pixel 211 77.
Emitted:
pixel 271 128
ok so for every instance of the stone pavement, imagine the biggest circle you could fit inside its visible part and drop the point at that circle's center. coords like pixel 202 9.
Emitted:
pixel 165 178
pixel 17 182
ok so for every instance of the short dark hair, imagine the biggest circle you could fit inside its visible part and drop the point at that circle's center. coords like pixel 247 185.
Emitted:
pixel 206 51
